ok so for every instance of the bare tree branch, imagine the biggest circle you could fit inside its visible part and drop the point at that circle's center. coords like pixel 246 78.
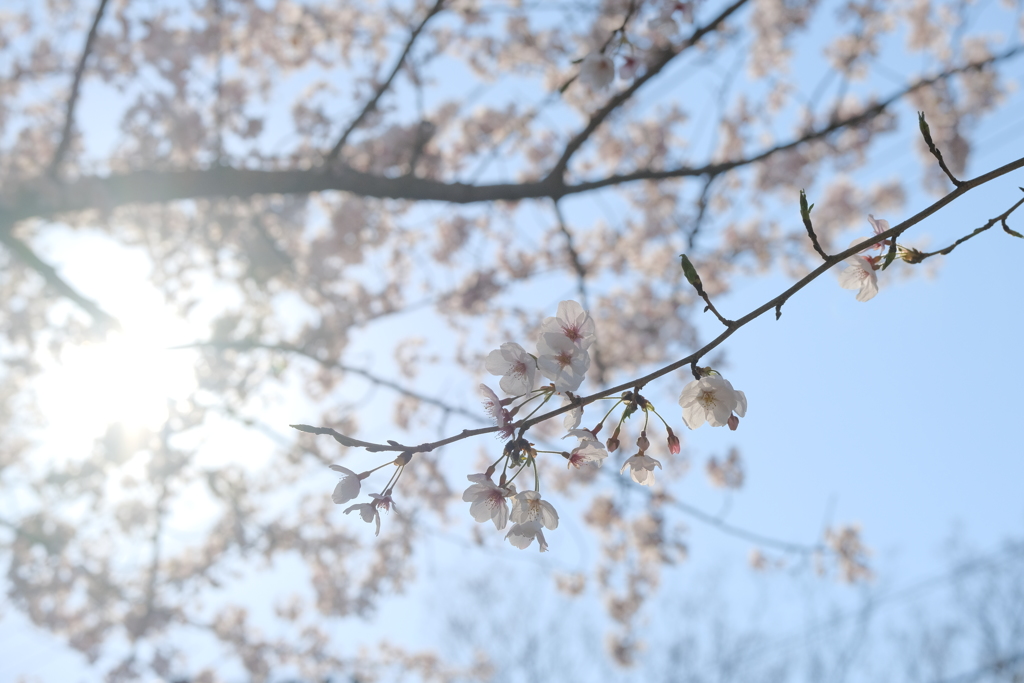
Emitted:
pixel 69 116
pixel 24 253
pixel 383 87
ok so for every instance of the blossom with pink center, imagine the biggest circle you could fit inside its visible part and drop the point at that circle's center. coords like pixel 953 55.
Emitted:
pixel 590 449
pixel 573 323
pixel 487 500
pixel 561 361
pixel 597 71
pixel 712 399
pixel 517 368
pixel 522 535
pixel 641 468
pixel 383 502
pixel 860 275
pixel 527 506
pixel 492 405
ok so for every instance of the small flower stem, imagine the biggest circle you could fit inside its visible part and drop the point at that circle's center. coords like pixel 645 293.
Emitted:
pixel 534 412
pixel 516 474
pixel 393 481
pixel 617 402
pixel 660 418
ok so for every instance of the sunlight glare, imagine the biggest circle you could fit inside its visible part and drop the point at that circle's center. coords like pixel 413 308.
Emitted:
pixel 129 378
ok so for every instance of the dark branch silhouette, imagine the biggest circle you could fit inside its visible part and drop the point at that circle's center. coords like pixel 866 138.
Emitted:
pixel 69 115
pixel 372 103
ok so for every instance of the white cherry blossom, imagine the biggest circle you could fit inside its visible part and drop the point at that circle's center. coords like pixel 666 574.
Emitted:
pixel 348 486
pixel 712 399
pixel 641 468
pixel 561 361
pixel 527 506
pixel 597 71
pixel 488 500
pixel 522 535
pixel 860 275
pixel 590 449
pixel 517 368
pixel 369 513
pixel 572 322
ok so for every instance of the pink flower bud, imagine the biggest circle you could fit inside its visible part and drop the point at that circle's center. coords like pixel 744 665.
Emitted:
pixel 673 443
pixel 734 422
pixel 613 441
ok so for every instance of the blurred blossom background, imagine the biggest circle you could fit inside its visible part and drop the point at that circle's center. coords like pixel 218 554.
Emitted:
pixel 220 218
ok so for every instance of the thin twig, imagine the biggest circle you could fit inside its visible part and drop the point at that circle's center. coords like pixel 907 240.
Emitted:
pixel 805 214
pixel 927 134
pixel 915 256
pixel 702 207
pixel 246 345
pixel 383 87
pixel 69 115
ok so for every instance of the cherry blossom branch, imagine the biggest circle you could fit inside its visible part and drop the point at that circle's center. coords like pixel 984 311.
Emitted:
pixel 69 115
pixel 651 70
pixel 915 256
pixel 37 198
pixel 383 87
pixel 692 359
pixel 246 345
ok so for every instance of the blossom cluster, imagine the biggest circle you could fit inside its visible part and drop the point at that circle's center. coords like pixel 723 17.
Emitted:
pixel 562 357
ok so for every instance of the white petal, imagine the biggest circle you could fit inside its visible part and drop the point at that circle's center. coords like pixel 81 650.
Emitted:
pixel 868 288
pixel 496 363
pixel 741 404
pixel 548 516
pixel 694 415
